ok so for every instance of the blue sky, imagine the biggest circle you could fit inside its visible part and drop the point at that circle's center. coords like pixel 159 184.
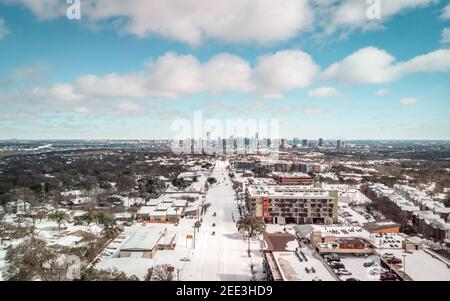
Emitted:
pixel 322 69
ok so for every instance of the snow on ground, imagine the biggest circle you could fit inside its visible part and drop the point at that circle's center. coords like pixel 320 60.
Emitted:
pixel 355 265
pixel 361 198
pixel 222 256
pixel 349 215
pixel 274 228
pixel 131 266
pixel 3 265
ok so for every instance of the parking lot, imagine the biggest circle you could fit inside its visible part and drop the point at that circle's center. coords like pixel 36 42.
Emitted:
pixel 356 268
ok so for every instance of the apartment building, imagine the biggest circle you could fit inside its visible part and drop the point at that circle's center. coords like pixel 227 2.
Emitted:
pixel 293 204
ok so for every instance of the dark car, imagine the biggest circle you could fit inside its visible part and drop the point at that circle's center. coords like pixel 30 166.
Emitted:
pixel 352 279
pixel 337 265
pixel 388 277
pixel 394 260
pixel 333 259
pixel 214 224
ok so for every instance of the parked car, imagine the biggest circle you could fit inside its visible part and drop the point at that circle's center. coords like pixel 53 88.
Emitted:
pixel 352 279
pixel 388 255
pixel 214 224
pixel 377 271
pixel 337 265
pixel 394 260
pixel 332 257
pixel 343 273
pixel 213 233
pixel 369 263
pixel 214 214
pixel 388 277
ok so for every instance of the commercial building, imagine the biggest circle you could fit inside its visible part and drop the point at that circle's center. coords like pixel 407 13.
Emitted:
pixel 293 178
pixel 144 243
pixel 293 204
pixel 384 226
pixel 325 242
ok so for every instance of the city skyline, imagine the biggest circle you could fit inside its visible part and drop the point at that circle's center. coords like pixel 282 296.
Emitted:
pixel 327 70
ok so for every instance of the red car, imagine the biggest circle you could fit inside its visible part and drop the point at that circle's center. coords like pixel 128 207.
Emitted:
pixel 394 260
pixel 388 277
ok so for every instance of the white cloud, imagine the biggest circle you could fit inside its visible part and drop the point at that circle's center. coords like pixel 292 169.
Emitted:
pixel 350 15
pixel 324 92
pixel 284 71
pixel 3 29
pixel 445 39
pixel 57 94
pixel 43 9
pixel 314 111
pixel 192 21
pixel 446 13
pixel 383 92
pixel 129 107
pixel 228 72
pixel 174 76
pixel 32 73
pixel 375 66
pixel 409 101
pixel 81 109
pixel 234 21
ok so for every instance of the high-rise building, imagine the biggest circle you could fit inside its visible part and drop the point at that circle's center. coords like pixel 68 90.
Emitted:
pixel 192 146
pixel 224 143
pixel 338 144
pixel 305 142
pixel 320 141
pixel 296 141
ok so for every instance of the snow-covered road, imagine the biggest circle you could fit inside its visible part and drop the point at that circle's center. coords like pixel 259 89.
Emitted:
pixel 222 256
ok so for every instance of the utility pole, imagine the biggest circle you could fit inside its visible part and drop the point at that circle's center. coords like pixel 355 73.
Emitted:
pixel 194 238
pixel 404 266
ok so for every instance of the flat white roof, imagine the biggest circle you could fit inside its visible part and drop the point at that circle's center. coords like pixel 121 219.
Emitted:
pixel 292 269
pixel 421 266
pixel 129 265
pixel 145 238
pixel 146 209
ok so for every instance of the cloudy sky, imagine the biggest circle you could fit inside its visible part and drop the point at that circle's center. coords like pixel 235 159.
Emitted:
pixel 128 69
